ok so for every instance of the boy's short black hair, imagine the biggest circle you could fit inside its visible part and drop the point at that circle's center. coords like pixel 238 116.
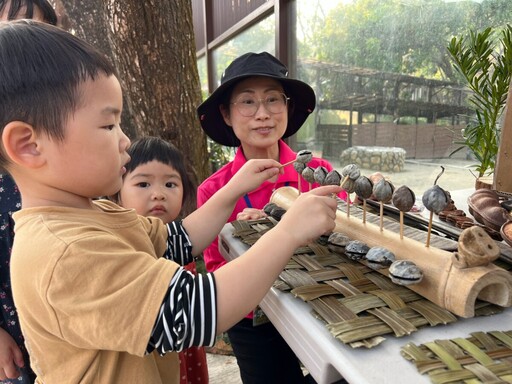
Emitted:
pixel 150 148
pixel 15 6
pixel 41 70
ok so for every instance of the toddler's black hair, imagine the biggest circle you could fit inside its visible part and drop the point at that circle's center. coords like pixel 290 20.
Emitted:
pixel 15 6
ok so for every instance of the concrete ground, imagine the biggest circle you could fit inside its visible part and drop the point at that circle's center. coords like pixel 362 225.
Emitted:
pixel 419 175
pixel 223 369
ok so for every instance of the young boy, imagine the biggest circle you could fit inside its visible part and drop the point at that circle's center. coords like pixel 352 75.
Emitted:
pixel 94 294
pixel 14 360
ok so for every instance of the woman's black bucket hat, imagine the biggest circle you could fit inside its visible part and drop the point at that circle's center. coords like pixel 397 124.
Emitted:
pixel 302 97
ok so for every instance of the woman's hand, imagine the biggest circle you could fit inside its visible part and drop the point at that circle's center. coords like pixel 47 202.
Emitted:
pixel 250 214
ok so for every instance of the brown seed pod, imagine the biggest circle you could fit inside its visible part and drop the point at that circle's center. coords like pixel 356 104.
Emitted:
pixel 332 178
pixel 363 187
pixel 403 198
pixel 320 174
pixel 304 156
pixel 405 272
pixel 383 191
pixel 349 185
pixel 308 174
pixel 269 207
pixel 299 167
pixel 435 199
pixel 352 171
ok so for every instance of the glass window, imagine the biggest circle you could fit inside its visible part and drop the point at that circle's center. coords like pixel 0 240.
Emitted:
pixel 203 76
pixel 383 76
pixel 258 38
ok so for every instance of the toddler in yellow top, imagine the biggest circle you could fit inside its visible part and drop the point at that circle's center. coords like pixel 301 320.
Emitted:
pixel 97 288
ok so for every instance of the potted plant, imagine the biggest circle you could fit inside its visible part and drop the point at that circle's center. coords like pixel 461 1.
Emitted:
pixel 485 62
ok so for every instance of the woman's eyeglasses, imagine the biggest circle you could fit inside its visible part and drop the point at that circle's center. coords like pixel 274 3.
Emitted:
pixel 274 103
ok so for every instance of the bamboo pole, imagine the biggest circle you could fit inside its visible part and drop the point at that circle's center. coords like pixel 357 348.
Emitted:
pixel 443 283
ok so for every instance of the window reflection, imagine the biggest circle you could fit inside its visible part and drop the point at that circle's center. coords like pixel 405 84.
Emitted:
pixel 203 76
pixel 258 38
pixel 383 76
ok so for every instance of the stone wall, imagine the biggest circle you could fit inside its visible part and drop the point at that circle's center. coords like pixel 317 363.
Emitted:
pixel 385 159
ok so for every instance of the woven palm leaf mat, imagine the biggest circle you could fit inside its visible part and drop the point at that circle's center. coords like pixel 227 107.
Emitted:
pixel 481 358
pixel 358 305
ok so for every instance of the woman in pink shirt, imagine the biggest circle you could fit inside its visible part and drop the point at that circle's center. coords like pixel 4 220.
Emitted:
pixel 255 107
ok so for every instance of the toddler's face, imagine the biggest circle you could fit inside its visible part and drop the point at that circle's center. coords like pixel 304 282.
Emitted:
pixel 153 189
pixel 90 161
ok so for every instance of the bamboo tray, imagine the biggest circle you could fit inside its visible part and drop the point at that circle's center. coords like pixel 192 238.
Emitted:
pixel 358 305
pixel 481 358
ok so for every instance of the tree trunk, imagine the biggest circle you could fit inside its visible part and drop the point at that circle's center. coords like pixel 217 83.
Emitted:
pixel 152 46
pixel 89 21
pixel 155 51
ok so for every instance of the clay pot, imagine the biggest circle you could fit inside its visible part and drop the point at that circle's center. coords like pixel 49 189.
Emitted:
pixel 484 182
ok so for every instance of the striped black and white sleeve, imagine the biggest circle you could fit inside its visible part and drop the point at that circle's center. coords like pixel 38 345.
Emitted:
pixel 179 246
pixel 188 315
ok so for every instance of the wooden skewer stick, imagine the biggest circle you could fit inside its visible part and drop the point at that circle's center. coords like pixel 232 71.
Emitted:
pixel 288 163
pixel 364 211
pixel 344 181
pixel 381 216
pixel 298 182
pixel 347 199
pixel 401 225
pixel 429 228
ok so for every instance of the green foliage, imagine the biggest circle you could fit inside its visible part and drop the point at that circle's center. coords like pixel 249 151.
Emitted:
pixel 485 62
pixel 219 155
pixel 408 37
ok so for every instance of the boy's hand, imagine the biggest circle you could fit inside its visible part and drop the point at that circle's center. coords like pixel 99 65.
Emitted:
pixel 252 174
pixel 251 214
pixel 10 357
pixel 311 215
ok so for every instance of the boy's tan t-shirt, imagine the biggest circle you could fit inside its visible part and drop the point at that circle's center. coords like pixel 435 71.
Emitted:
pixel 88 285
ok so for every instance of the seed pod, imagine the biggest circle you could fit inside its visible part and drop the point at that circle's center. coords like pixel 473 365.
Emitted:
pixel 379 257
pixel 304 156
pixel 435 199
pixel 403 198
pixel 405 272
pixel 332 178
pixel 352 171
pixel 356 250
pixel 376 177
pixel 363 187
pixel 320 174
pixel 349 186
pixel 337 242
pixel 269 207
pixel 383 191
pixel 299 167
pixel 308 174
pixel 277 212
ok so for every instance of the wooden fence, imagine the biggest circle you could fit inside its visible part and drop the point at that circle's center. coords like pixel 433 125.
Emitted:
pixel 421 141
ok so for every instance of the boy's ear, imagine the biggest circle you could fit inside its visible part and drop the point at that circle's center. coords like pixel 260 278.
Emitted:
pixel 20 144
